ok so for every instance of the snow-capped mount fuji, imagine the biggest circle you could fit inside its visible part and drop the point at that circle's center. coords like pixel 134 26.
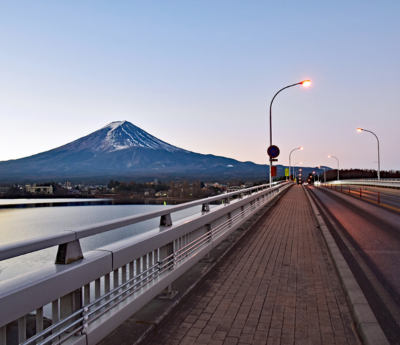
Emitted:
pixel 124 151
pixel 120 135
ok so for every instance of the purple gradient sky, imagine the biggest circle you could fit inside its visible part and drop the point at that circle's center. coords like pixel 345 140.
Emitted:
pixel 200 75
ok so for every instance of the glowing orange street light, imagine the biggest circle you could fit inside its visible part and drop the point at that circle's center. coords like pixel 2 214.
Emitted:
pixel 294 170
pixel 305 83
pixel 359 129
pixel 290 162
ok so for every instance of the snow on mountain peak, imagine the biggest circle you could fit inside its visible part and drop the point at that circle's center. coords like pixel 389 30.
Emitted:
pixel 114 125
pixel 123 135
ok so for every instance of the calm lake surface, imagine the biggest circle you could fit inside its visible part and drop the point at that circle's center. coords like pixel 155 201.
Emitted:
pixel 18 224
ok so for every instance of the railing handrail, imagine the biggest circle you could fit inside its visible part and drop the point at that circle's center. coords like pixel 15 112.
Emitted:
pixel 15 249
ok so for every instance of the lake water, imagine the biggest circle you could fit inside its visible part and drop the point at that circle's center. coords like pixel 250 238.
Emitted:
pixel 18 224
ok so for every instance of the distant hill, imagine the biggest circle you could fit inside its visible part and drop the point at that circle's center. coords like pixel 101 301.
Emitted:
pixel 123 151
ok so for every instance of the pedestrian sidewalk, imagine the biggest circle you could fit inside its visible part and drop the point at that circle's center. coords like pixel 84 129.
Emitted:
pixel 279 286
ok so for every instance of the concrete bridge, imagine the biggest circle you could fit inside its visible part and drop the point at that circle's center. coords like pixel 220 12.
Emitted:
pixel 262 267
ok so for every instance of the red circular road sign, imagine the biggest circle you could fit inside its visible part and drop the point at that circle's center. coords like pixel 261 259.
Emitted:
pixel 273 151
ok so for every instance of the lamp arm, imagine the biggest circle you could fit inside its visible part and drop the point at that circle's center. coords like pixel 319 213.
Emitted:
pixel 379 159
pixel 270 111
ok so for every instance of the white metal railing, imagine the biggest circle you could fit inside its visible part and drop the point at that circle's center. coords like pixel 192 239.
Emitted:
pixel 386 182
pixel 90 297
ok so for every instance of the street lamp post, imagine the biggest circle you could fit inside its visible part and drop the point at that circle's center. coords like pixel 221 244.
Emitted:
pixel 337 166
pixel 379 159
pixel 319 167
pixel 290 166
pixel 294 171
pixel 305 83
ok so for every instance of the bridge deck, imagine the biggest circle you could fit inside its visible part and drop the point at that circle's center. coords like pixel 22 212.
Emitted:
pixel 278 287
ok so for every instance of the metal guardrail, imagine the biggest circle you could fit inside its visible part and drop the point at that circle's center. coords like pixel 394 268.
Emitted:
pixel 387 182
pixel 355 192
pixel 83 305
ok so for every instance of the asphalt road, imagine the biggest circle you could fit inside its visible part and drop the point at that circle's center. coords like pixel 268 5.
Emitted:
pixel 369 237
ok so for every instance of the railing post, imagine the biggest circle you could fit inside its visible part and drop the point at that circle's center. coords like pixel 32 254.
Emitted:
pixel 209 232
pixel 69 252
pixel 39 322
pixel 21 329
pixel 86 294
pixel 69 304
pixel 131 270
pixel 107 285
pixel 3 335
pixel 205 207
pixel 123 274
pixel 115 278
pixel 207 258
pixel 150 264
pixel 166 220
pixel 138 270
pixel 55 314
pixel 165 252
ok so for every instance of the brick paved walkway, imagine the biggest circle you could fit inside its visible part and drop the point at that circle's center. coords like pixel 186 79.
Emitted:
pixel 278 287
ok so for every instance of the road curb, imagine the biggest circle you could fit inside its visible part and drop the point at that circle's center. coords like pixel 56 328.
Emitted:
pixel 369 328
